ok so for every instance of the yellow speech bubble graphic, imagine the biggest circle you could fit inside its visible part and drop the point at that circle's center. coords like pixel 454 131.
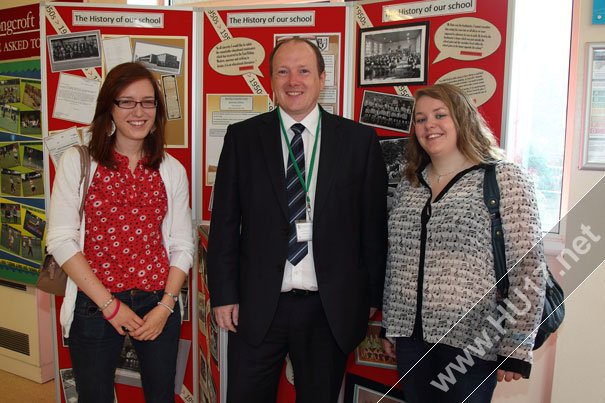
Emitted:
pixel 466 38
pixel 236 57
pixel 478 84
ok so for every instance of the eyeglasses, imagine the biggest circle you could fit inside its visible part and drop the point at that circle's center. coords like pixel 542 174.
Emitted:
pixel 131 104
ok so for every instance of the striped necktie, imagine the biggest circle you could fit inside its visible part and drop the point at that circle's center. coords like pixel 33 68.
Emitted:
pixel 296 195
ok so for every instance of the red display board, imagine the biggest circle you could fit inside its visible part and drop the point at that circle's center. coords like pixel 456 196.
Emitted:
pixel 393 48
pixel 20 33
pixel 81 43
pixel 236 80
pixel 404 45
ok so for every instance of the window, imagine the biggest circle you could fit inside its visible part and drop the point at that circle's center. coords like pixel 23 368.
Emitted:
pixel 537 104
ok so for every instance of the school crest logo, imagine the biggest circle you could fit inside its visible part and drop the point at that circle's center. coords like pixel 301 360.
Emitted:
pixel 322 43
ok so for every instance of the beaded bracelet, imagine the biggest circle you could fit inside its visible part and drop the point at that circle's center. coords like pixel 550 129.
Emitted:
pixel 166 306
pixel 115 311
pixel 106 304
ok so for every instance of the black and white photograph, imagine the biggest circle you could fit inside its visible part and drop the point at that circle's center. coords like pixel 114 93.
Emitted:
pixel 165 59
pixel 74 51
pixel 363 390
pixel 388 111
pixel 69 385
pixel 129 369
pixel 393 56
pixel 393 152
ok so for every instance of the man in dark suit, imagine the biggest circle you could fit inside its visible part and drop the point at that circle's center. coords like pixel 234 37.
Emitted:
pixel 298 237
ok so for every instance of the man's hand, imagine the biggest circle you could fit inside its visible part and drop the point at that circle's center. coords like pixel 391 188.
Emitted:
pixel 227 317
pixel 508 376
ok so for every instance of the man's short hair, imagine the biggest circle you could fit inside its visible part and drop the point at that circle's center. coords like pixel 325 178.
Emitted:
pixel 321 64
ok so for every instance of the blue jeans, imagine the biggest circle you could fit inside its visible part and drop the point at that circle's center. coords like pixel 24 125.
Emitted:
pixel 417 387
pixel 95 346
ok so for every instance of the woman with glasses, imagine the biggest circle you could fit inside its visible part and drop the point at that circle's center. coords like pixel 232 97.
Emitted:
pixel 129 256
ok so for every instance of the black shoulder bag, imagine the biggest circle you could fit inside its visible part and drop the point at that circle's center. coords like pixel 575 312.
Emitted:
pixel 554 309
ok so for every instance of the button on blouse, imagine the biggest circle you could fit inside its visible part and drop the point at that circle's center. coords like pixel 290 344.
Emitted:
pixel 124 213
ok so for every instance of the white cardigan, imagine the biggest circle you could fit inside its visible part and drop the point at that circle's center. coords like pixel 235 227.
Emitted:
pixel 65 235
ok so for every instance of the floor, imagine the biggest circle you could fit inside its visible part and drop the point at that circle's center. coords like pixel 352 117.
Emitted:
pixel 14 388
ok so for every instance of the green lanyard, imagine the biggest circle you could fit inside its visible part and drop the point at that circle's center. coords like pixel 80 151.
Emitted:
pixel 305 183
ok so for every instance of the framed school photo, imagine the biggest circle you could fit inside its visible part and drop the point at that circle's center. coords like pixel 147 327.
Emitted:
pixel 363 390
pixel 396 55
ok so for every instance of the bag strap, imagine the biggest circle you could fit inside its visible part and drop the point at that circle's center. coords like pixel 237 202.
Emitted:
pixel 491 197
pixel 84 175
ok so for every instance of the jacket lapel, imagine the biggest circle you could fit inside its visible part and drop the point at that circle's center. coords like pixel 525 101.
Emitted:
pixel 331 141
pixel 270 140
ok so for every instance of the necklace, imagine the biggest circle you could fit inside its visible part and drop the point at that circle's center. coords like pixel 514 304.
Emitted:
pixel 439 176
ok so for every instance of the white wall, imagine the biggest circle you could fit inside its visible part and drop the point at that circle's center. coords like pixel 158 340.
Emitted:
pixel 579 374
pixel 571 367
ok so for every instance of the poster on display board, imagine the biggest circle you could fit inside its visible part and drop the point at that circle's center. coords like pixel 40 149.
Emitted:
pixel 80 44
pixel 404 45
pixel 87 42
pixel 237 83
pixel 22 214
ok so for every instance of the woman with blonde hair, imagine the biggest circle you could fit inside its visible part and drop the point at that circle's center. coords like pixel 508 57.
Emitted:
pixel 443 320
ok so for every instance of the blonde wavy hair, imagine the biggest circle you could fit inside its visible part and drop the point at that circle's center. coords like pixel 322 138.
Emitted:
pixel 475 140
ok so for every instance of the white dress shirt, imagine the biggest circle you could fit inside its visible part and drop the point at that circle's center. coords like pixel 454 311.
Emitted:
pixel 302 276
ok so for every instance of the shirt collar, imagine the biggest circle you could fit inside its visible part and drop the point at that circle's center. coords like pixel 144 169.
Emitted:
pixel 310 121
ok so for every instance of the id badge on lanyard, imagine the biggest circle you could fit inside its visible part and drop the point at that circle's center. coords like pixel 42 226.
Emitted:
pixel 304 231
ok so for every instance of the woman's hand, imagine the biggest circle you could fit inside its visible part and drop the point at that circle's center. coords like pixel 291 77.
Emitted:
pixel 125 319
pixel 389 348
pixel 153 325
pixel 508 376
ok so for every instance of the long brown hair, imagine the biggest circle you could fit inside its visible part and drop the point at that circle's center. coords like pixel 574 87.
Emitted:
pixel 101 145
pixel 475 139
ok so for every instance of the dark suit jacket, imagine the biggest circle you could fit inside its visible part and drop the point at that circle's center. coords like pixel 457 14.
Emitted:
pixel 249 228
